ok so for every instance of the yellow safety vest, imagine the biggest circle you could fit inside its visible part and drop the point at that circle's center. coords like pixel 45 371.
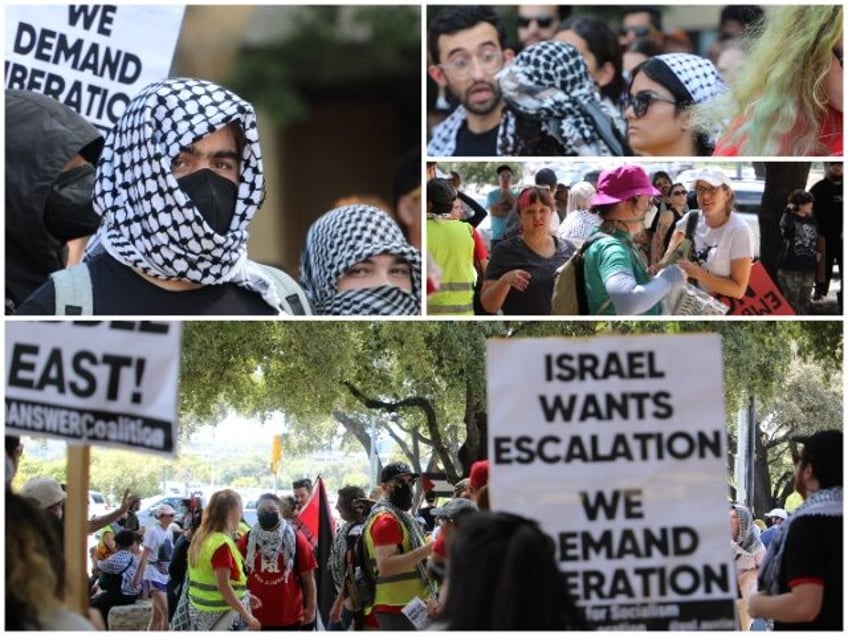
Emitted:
pixel 451 245
pixel 202 587
pixel 396 590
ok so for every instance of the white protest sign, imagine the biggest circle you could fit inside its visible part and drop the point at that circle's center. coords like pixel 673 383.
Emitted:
pixel 617 446
pixel 93 58
pixel 101 383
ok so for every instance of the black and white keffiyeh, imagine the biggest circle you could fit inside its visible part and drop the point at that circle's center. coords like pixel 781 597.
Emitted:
pixel 551 83
pixel 698 75
pixel 271 543
pixel 824 503
pixel 340 239
pixel 443 143
pixel 149 222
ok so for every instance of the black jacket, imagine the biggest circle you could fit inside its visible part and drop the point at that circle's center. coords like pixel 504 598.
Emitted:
pixel 41 136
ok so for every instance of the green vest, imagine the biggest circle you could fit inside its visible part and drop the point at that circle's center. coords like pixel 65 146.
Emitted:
pixel 202 587
pixel 451 245
pixel 396 590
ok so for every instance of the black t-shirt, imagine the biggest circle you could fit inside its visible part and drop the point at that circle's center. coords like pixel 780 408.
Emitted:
pixel 118 290
pixel 827 208
pixel 469 144
pixel 813 553
pixel 513 253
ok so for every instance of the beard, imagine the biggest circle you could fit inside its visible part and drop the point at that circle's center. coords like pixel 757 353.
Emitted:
pixel 482 108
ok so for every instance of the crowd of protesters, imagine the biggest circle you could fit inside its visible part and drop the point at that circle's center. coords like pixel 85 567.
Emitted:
pixel 596 84
pixel 472 568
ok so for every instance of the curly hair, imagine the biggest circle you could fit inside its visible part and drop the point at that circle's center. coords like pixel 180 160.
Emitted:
pixel 778 101
pixel 34 564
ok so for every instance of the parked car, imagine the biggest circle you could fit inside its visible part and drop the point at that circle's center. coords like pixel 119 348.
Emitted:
pixel 97 506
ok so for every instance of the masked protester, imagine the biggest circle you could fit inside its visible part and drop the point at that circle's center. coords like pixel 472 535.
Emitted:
pixel 272 549
pixel 395 543
pixel 356 261
pixel 179 181
pixel 50 152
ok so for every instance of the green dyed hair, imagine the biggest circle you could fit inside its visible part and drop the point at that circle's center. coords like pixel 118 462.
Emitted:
pixel 777 103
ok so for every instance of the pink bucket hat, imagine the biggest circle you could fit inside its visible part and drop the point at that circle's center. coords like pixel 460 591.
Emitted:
pixel 619 184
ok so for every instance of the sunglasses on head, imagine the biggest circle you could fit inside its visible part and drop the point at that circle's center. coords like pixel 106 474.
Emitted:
pixel 639 31
pixel 544 21
pixel 642 100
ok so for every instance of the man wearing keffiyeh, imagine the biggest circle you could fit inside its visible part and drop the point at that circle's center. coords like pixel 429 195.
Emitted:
pixel 280 567
pixel 177 184
pixel 800 579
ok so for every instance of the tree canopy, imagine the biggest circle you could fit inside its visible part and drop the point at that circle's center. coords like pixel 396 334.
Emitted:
pixel 431 375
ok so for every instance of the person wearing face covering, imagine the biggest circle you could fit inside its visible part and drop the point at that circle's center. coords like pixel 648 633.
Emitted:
pixel 357 262
pixel 50 152
pixel 280 567
pixel 178 182
pixel 550 86
pixel 395 543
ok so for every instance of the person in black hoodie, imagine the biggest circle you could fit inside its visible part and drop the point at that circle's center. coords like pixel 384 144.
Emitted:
pixel 50 157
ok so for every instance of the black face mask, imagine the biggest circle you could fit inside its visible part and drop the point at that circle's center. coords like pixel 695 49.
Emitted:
pixel 213 195
pixel 268 520
pixel 68 211
pixel 401 496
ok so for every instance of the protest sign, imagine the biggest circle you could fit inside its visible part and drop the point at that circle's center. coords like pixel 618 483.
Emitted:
pixel 617 446
pixel 93 58
pixel 762 297
pixel 101 383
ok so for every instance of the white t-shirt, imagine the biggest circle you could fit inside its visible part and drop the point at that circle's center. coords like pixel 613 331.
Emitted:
pixel 160 541
pixel 721 245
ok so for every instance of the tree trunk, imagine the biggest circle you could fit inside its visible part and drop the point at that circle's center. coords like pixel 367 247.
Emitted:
pixel 781 179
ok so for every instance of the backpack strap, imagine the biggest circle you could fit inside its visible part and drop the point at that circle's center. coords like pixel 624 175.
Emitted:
pixel 72 287
pixel 580 274
pixel 292 297
pixel 691 224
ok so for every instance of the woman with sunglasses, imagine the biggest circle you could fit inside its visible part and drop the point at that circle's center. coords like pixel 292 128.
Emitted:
pixel 787 99
pixel 723 245
pixel 519 279
pixel 668 217
pixel 662 94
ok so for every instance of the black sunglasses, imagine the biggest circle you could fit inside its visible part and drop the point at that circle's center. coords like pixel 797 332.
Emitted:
pixel 640 31
pixel 677 192
pixel 642 100
pixel 544 21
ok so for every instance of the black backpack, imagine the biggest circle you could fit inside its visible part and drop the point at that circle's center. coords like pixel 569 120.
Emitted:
pixel 360 580
pixel 111 581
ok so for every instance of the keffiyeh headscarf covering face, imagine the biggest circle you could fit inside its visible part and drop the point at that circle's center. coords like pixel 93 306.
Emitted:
pixel 550 82
pixel 150 223
pixel 698 75
pixel 340 239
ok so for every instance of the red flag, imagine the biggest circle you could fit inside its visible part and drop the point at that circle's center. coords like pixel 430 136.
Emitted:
pixel 319 527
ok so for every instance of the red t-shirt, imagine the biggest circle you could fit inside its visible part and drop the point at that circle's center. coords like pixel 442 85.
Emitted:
pixel 830 136
pixel 386 530
pixel 282 601
pixel 439 546
pixel 223 558
pixel 480 251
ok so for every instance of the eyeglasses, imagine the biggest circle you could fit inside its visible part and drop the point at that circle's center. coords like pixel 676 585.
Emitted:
pixel 678 193
pixel 639 31
pixel 642 100
pixel 838 53
pixel 705 189
pixel 544 21
pixel 461 65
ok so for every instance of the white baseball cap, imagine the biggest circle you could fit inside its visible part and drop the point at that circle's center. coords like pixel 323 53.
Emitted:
pixel 164 509
pixel 777 512
pixel 714 176
pixel 45 490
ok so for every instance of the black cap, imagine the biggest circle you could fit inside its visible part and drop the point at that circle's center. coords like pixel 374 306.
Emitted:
pixel 547 177
pixel 824 450
pixel 390 471
pixel 441 195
